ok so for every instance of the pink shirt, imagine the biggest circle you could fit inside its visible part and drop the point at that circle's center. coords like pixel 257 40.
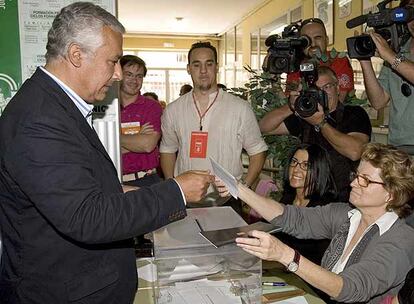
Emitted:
pixel 387 300
pixel 142 110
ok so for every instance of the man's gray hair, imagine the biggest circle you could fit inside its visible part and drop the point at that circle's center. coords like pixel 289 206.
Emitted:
pixel 326 70
pixel 80 23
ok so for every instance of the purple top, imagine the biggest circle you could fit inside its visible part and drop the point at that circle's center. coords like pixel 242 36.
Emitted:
pixel 142 110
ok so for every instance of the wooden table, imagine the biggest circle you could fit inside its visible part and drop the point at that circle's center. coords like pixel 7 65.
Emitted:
pixel 275 272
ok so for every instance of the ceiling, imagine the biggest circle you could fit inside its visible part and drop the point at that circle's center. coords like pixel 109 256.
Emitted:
pixel 199 17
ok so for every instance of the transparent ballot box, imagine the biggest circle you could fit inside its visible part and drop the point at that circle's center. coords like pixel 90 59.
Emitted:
pixel 191 270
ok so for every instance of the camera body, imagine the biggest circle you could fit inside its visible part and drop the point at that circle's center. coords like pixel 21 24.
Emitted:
pixel 391 24
pixel 360 47
pixel 307 102
pixel 285 53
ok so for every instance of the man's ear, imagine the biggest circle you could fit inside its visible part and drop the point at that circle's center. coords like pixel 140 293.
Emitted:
pixel 75 55
pixel 188 69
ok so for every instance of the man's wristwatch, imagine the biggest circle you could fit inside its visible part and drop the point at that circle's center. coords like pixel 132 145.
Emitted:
pixel 322 123
pixel 294 265
pixel 397 60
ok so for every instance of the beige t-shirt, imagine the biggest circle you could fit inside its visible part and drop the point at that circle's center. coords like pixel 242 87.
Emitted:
pixel 231 126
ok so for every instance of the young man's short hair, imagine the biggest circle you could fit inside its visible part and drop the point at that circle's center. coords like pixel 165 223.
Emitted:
pixel 128 60
pixel 202 45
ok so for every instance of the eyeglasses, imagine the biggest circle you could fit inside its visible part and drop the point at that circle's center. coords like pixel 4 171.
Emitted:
pixel 133 76
pixel 328 86
pixel 406 89
pixel 303 165
pixel 363 181
pixel 312 20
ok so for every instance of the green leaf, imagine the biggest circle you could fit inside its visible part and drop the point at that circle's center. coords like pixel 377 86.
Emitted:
pixel 333 53
pixel 318 53
pixel 324 58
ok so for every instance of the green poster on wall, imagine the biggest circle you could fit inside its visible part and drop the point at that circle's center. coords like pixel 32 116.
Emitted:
pixel 23 37
pixel 10 72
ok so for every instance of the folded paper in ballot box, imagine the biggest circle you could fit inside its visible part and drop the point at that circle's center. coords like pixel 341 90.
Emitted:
pixel 190 269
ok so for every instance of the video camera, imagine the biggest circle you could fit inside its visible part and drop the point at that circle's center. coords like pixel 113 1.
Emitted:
pixel 391 24
pixel 285 53
pixel 307 102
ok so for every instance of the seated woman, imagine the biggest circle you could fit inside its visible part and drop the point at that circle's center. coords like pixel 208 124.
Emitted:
pixel 372 247
pixel 308 182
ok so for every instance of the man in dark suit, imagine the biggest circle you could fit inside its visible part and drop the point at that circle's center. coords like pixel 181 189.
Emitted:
pixel 66 224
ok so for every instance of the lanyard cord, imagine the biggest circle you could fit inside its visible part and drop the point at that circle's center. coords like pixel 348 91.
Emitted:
pixel 205 112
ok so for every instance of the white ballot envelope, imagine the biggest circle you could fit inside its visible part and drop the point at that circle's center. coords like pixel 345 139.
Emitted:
pixel 228 179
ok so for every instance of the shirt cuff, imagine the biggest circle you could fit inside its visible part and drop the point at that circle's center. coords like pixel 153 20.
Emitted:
pixel 182 193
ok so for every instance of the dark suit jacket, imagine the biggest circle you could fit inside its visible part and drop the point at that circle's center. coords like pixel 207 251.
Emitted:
pixel 66 226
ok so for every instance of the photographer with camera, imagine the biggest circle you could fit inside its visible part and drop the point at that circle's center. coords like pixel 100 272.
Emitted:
pixel 316 115
pixel 395 85
pixel 314 28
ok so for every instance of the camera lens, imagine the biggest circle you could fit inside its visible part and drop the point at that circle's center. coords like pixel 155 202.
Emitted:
pixel 278 64
pixel 281 63
pixel 364 45
pixel 306 105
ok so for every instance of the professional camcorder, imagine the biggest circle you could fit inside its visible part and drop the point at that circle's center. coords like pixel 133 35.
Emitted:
pixel 285 53
pixel 307 103
pixel 391 24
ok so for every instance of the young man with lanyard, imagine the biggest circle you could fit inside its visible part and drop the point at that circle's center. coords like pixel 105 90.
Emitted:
pixel 140 126
pixel 315 29
pixel 210 122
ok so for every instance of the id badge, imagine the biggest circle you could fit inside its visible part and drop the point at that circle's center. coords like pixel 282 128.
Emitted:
pixel 198 144
pixel 130 128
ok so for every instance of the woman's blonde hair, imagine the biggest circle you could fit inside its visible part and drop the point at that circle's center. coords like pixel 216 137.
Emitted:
pixel 397 173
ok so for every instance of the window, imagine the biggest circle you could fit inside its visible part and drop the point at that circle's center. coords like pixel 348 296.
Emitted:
pixel 155 81
pixel 230 47
pixel 164 59
pixel 254 50
pixel 241 75
pixel 222 59
pixel 239 45
pixel 296 14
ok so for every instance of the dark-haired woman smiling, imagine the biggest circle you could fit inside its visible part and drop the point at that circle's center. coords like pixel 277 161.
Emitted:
pixel 308 182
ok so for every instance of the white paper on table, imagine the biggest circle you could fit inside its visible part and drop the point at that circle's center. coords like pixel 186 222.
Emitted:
pixel 201 291
pixel 184 270
pixel 294 300
pixel 147 272
pixel 170 296
pixel 228 179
